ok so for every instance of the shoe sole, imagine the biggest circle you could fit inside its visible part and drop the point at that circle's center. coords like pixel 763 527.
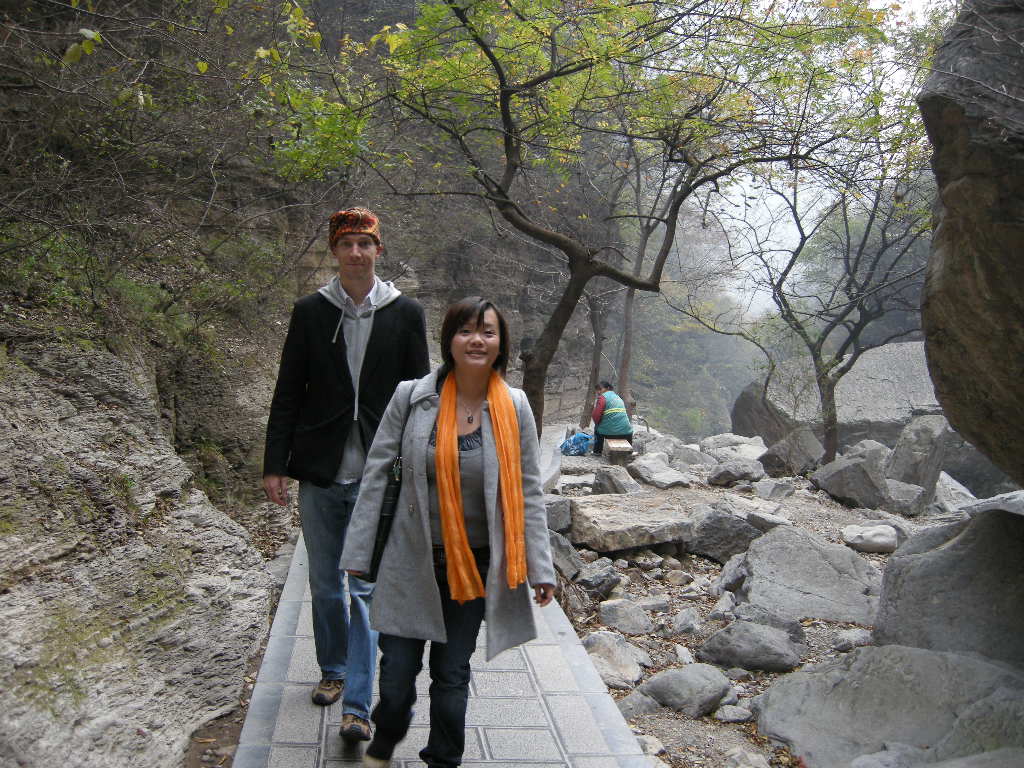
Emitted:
pixel 354 734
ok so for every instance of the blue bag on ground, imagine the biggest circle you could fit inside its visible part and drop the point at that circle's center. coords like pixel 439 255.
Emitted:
pixel 576 445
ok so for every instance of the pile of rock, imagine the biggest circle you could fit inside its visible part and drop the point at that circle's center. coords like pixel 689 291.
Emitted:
pixel 705 599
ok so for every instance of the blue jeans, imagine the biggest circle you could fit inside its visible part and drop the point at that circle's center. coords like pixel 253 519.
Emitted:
pixel 346 647
pixel 400 662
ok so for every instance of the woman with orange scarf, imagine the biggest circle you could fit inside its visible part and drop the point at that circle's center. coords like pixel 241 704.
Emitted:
pixel 469 534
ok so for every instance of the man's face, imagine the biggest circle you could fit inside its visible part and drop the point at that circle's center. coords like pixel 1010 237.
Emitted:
pixel 357 256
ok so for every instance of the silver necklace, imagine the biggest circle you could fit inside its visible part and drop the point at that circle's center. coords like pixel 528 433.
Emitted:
pixel 469 411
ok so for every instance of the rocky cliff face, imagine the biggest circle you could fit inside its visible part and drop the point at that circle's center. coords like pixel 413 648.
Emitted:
pixel 973 310
pixel 130 604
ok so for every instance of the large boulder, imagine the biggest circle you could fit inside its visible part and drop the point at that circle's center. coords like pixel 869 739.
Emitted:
pixel 728 446
pixel 831 713
pixel 960 589
pixel 854 481
pixel 748 645
pixel 718 533
pixel 796 453
pixel 919 453
pixel 653 469
pixel 973 304
pixel 796 574
pixel 608 523
pixel 883 392
pixel 694 690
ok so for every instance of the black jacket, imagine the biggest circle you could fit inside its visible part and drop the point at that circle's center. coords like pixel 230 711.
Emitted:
pixel 313 406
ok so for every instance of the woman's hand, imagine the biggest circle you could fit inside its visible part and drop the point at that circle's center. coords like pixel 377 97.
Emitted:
pixel 542 594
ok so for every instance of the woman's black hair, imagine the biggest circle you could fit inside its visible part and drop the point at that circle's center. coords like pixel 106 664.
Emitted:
pixel 460 313
pixel 605 384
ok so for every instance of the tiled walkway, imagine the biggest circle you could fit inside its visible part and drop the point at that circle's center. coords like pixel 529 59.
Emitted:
pixel 541 705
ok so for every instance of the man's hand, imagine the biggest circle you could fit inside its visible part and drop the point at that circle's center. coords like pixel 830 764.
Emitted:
pixel 542 594
pixel 276 488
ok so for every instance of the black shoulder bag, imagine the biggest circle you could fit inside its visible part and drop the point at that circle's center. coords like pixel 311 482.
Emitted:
pixel 388 507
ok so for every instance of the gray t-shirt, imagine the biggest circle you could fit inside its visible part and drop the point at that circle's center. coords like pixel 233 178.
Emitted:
pixel 471 475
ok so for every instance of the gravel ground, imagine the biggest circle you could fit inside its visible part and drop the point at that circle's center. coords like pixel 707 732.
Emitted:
pixel 705 742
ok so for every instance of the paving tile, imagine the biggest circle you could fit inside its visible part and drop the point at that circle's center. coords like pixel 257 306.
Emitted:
pixel 261 717
pixel 287 617
pixel 511 659
pixel 582 667
pixel 293 757
pixel 304 626
pixel 302 668
pixel 524 712
pixel 298 719
pixel 575 724
pixel 550 668
pixel 276 659
pixel 617 734
pixel 251 756
pixel 504 683
pixel 417 740
pixel 334 748
pixel 594 761
pixel 521 744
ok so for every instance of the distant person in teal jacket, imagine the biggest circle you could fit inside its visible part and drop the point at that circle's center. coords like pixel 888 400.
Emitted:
pixel 610 417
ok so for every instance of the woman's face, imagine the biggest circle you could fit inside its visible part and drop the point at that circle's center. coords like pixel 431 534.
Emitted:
pixel 476 346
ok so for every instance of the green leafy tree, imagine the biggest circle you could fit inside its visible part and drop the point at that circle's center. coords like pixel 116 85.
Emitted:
pixel 519 90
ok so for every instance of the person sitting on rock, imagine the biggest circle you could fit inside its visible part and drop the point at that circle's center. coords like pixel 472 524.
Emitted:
pixel 610 417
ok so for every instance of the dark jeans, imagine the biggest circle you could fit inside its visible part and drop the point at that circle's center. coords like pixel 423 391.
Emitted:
pixel 400 662
pixel 599 440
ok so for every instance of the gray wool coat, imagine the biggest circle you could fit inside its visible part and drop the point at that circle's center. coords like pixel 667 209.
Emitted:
pixel 406 600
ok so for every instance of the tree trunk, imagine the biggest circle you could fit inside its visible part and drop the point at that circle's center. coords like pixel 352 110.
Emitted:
pixel 829 417
pixel 537 360
pixel 626 357
pixel 597 323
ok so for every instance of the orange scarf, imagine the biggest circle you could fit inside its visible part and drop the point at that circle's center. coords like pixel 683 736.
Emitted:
pixel 463 576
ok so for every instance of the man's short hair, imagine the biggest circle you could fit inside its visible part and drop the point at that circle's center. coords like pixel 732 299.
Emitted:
pixel 603 384
pixel 354 221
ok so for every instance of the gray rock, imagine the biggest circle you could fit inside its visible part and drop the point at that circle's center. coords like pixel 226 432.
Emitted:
pixel 833 712
pixel 684 456
pixel 980 567
pixel 759 615
pixel 684 622
pixel 904 498
pixel 719 535
pixel 694 690
pixel 730 713
pixel 575 483
pixel 871 450
pixel 637 703
pixel 920 453
pixel 798 452
pixel 723 608
pixel 1010 757
pixel 564 555
pixel 650 745
pixel 684 654
pixel 625 616
pixel 598 578
pixel 613 658
pixel 991 723
pixel 652 469
pixel 894 755
pixel 614 479
pixel 873 538
pixel 855 481
pixel 611 523
pixel 678 578
pixel 559 512
pixel 973 303
pixel 737 757
pixel 773 490
pixel 654 603
pixel 729 440
pixel 795 574
pixel 949 496
pixel 751 646
pixel 735 470
pixel 848 639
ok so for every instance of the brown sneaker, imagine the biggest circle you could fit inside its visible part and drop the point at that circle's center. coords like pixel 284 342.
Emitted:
pixel 327 691
pixel 354 728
